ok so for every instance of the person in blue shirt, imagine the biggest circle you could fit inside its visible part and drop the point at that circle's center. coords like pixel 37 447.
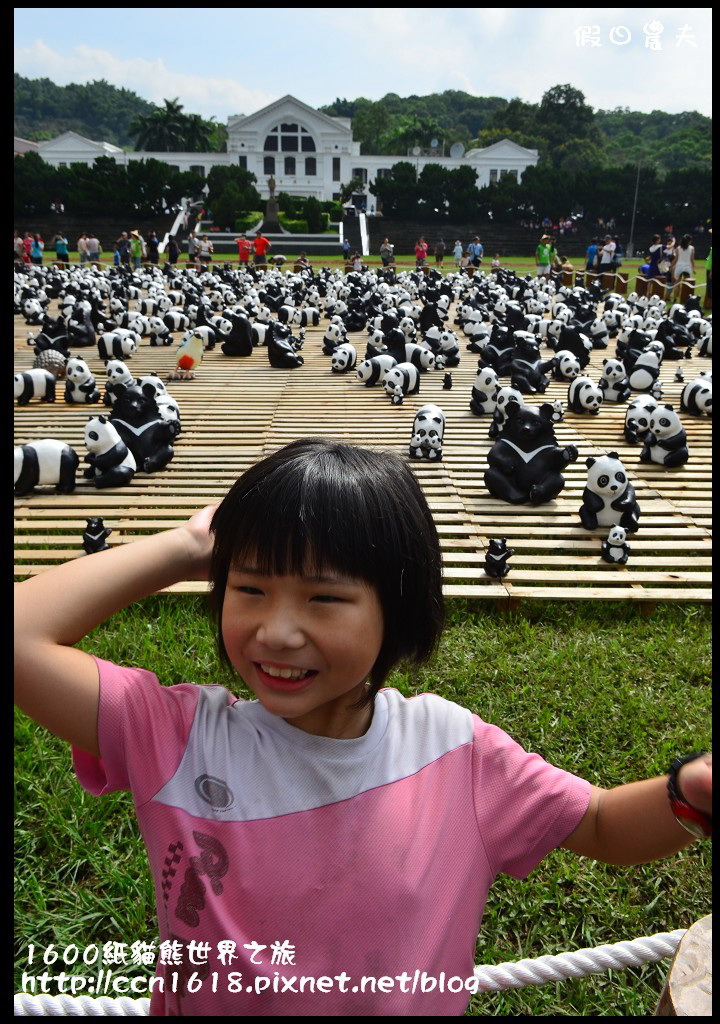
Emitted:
pixel 591 256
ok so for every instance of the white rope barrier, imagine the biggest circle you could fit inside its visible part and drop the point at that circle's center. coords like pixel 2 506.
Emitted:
pixel 579 964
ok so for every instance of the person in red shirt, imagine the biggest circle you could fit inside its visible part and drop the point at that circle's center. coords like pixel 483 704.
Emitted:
pixel 260 247
pixel 244 246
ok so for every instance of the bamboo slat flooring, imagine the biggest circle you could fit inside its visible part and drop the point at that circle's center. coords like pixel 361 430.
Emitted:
pixel 237 410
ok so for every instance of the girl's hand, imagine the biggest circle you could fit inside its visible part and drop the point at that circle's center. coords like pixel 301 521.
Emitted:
pixel 695 781
pixel 199 543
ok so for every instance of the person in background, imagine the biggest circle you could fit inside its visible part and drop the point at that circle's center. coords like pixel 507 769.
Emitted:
pixel 667 257
pixel 244 249
pixel 654 256
pixel 591 257
pixel 172 250
pixel 123 248
pixel 260 246
pixel 19 248
pixel 346 250
pixel 476 250
pixel 421 251
pixel 82 248
pixel 94 249
pixel 36 250
pixel 439 253
pixel 136 248
pixel 153 248
pixel 192 247
pixel 387 253
pixel 707 304
pixel 543 257
pixel 61 248
pixel 457 252
pixel 495 262
pixel 606 256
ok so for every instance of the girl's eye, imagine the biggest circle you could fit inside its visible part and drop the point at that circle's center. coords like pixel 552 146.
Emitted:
pixel 249 590
pixel 326 598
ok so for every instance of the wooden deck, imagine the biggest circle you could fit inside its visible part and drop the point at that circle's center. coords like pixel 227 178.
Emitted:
pixel 237 410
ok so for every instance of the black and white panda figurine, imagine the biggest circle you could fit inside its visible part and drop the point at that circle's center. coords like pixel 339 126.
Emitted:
pixel 615 549
pixel 484 392
pixel 614 381
pixel 48 461
pixel 637 418
pixel 117 344
pixel 428 432
pixel 558 414
pixel 419 356
pixel 343 359
pixel 80 383
pixel 609 497
pixel 35 383
pixel 333 337
pixel 696 397
pixel 503 398
pixel 95 536
pixel 158 332
pixel 666 440
pixel 372 371
pixel 167 406
pixel 117 373
pixel 401 380
pixel 111 463
pixel 645 371
pixel 496 558
pixel 566 365
pixel 584 395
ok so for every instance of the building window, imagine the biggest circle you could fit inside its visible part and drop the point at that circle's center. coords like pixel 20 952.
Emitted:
pixel 198 169
pixel 242 162
pixel 336 168
pixel 289 138
pixel 383 172
pixel 289 164
pixel 512 174
pixel 310 166
pixel 269 165
pixel 360 173
pixel 493 177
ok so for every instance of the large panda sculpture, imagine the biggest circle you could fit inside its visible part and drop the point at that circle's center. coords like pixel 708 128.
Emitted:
pixel 80 383
pixel 111 463
pixel 609 497
pixel 613 382
pixel 484 392
pixel 44 462
pixel 401 380
pixel 666 440
pixel 428 432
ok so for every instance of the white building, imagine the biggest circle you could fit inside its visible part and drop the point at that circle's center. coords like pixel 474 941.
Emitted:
pixel 307 152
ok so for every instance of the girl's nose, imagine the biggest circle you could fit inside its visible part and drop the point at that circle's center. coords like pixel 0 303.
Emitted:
pixel 280 630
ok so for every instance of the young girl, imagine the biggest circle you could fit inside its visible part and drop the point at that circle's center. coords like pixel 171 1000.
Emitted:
pixel 358 829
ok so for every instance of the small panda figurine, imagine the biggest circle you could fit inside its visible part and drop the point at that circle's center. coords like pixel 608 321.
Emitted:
pixel 428 432
pixel 372 371
pixel 503 398
pixel 344 359
pixel 666 440
pixel 117 344
pixel 333 337
pixel 696 397
pixel 609 497
pixel 111 463
pixel 95 536
pixel 484 392
pixel 117 373
pixel 645 371
pixel 79 383
pixel 614 382
pixel 496 558
pixel 637 418
pixel 584 395
pixel 158 331
pixel 419 356
pixel 615 549
pixel 36 383
pixel 401 380
pixel 566 365
pixel 45 462
pixel 558 414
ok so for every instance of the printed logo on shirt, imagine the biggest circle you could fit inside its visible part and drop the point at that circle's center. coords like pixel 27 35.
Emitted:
pixel 214 792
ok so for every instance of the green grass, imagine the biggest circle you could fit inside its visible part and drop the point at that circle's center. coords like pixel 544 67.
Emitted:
pixel 597 689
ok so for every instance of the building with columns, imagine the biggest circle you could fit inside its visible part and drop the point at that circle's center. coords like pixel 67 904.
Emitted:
pixel 307 152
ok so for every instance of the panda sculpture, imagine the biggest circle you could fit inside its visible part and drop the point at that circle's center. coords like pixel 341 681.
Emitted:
pixel 44 462
pixel 615 549
pixel 158 332
pixel 503 398
pixel 525 462
pixel 372 371
pixel 608 497
pixel 527 369
pixel 401 380
pixel 117 373
pixel 36 383
pixel 666 440
pixel 167 406
pixel 613 382
pixel 484 392
pixel 117 344
pixel 428 432
pixel 80 383
pixel 496 558
pixel 419 356
pixel 584 396
pixel 137 419
pixel 282 352
pixel 344 359
pixel 637 418
pixel 696 397
pixel 565 365
pixel 110 462
pixel 95 536
pixel 646 370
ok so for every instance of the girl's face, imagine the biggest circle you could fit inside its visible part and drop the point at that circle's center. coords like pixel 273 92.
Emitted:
pixel 304 645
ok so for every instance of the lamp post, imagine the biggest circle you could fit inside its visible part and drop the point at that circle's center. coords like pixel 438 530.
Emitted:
pixel 632 222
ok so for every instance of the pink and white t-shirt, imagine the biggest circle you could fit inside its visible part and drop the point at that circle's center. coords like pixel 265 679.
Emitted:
pixel 360 867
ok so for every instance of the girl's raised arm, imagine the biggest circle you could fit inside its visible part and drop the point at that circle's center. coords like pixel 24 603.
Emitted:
pixel 56 684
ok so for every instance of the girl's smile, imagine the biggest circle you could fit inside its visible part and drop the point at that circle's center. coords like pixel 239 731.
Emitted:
pixel 305 645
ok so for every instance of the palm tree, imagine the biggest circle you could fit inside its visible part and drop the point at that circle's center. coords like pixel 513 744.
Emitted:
pixel 162 131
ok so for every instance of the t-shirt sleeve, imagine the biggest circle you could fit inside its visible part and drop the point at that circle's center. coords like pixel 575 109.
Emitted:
pixel 525 807
pixel 143 729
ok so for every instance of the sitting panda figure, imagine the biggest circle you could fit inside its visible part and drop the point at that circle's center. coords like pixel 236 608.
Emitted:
pixel 48 461
pixel 614 382
pixel 137 419
pixel 646 370
pixel 403 379
pixel 558 414
pixel 524 463
pixel 696 397
pixel 496 558
pixel 372 371
pixel 584 395
pixel 666 440
pixel 79 383
pixel 111 463
pixel 95 536
pixel 428 432
pixel 167 406
pixel 503 398
pixel 565 365
pixel 333 338
pixel 637 418
pixel 117 373
pixel 282 352
pixel 527 369
pixel 36 383
pixel 484 392
pixel 616 548
pixel 609 497
pixel 344 359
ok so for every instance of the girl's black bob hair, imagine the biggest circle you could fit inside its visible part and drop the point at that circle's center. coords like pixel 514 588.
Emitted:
pixel 320 504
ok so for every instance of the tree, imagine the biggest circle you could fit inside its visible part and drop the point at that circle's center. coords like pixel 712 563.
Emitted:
pixel 369 124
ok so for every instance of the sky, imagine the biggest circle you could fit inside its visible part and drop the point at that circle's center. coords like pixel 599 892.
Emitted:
pixel 224 61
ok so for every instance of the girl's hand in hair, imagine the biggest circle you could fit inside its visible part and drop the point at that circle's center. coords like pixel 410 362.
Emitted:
pixel 199 543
